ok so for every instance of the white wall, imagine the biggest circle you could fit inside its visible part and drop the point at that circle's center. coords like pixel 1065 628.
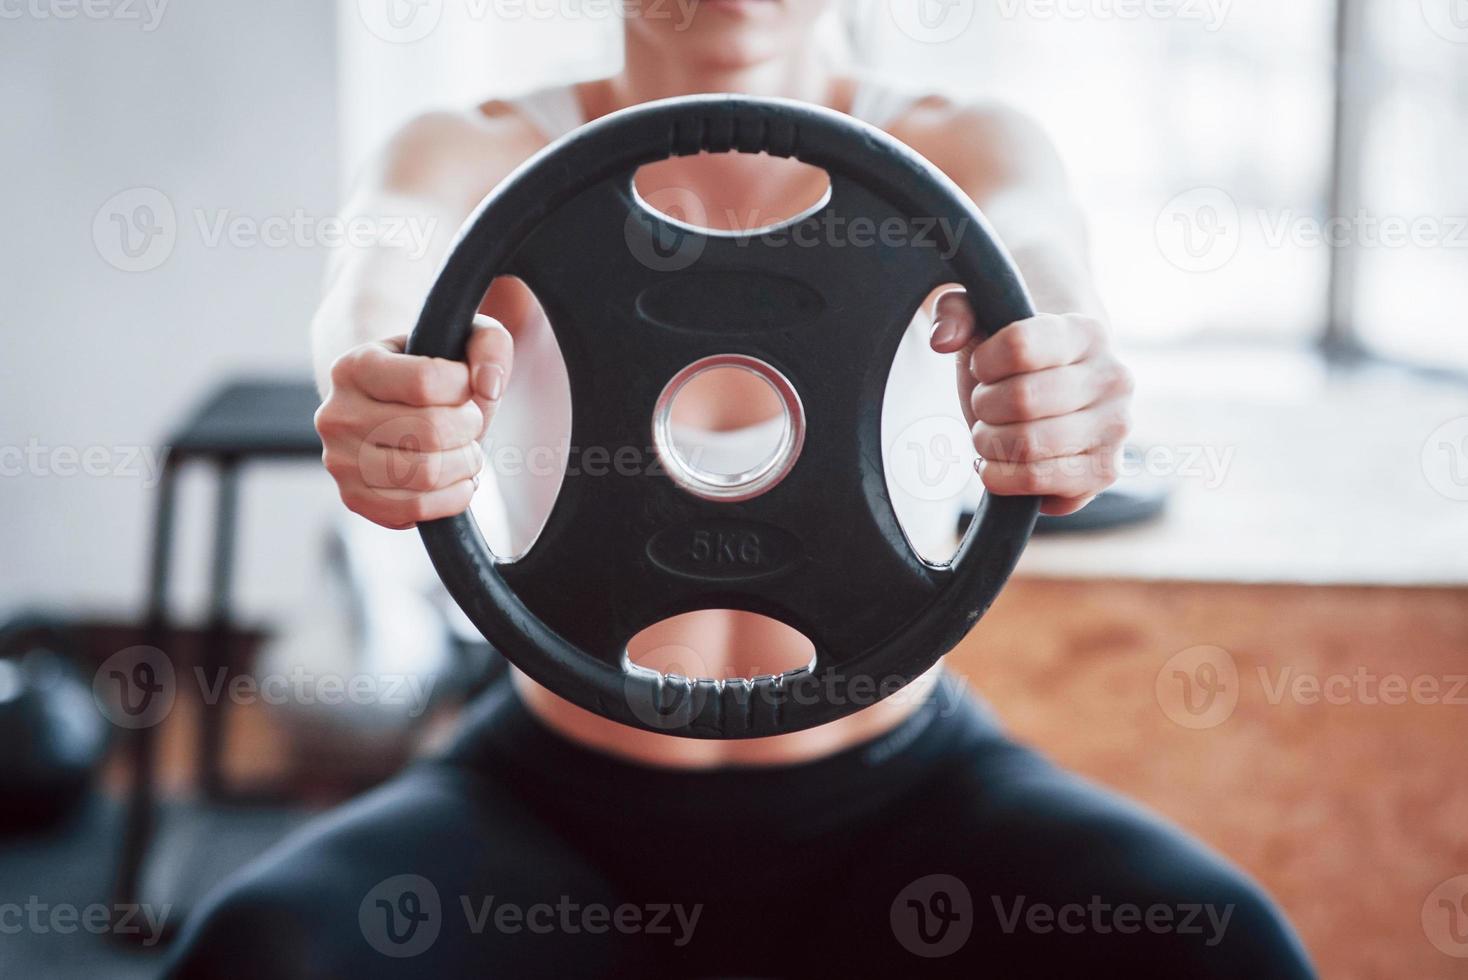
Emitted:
pixel 457 53
pixel 222 107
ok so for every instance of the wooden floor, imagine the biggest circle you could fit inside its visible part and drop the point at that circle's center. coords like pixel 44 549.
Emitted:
pixel 1351 810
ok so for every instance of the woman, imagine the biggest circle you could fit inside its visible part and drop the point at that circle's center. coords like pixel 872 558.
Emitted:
pixel 909 836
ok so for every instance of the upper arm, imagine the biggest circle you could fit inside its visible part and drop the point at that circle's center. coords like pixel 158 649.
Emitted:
pixel 1002 159
pixel 432 173
pixel 447 161
pixel 987 148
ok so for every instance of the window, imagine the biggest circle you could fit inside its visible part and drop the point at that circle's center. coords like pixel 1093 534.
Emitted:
pixel 1190 138
pixel 1409 287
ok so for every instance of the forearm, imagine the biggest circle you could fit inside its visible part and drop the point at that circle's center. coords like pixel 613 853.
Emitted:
pixel 1047 239
pixel 376 291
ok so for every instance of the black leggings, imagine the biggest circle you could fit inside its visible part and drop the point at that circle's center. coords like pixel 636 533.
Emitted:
pixel 940 849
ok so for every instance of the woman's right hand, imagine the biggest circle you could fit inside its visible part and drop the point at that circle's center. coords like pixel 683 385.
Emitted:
pixel 401 434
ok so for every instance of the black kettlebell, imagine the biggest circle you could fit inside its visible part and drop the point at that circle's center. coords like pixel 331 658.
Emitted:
pixel 52 738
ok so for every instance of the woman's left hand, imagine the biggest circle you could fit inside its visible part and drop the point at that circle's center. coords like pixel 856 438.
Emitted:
pixel 1046 400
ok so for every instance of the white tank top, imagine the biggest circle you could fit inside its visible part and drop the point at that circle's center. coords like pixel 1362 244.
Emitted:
pixel 556 111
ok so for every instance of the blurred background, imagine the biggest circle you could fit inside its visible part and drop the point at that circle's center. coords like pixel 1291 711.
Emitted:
pixel 1280 230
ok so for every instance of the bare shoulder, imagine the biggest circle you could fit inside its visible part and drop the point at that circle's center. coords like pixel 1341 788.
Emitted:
pixel 456 156
pixel 980 143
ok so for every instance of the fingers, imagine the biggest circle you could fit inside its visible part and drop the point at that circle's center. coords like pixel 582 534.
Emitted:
pixel 1049 410
pixel 1051 392
pixel 1035 344
pixel 1101 426
pixel 403 509
pixel 384 373
pixel 348 420
pixel 400 434
pixel 953 322
pixel 383 468
pixel 1068 481
pixel 490 357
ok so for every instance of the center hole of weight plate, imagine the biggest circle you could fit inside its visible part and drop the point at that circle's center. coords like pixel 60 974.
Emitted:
pixel 728 427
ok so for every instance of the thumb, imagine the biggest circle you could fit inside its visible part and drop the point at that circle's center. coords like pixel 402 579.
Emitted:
pixel 490 356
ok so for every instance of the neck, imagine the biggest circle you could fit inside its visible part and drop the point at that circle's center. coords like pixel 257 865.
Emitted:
pixel 649 74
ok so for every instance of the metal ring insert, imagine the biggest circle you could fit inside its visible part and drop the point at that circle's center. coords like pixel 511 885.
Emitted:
pixel 729 487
